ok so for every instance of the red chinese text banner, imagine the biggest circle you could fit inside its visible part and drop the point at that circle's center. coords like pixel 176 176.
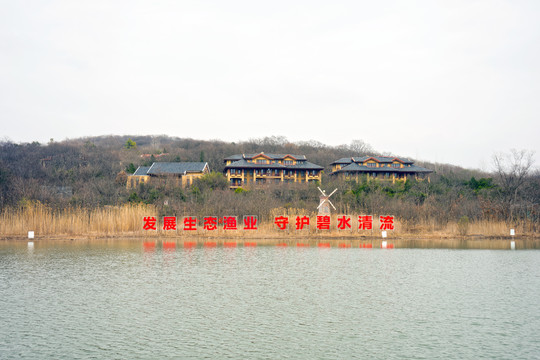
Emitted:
pixel 281 223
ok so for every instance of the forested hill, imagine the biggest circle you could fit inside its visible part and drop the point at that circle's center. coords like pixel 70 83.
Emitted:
pixel 89 172
pixel 167 148
pixel 86 169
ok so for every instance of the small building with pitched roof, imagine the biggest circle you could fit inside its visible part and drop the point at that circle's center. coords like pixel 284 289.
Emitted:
pixel 183 173
pixel 378 167
pixel 261 168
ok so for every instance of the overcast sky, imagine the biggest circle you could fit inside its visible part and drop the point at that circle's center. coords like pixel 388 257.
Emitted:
pixel 445 81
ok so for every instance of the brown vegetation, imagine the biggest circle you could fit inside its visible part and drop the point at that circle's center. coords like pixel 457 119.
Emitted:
pixel 127 220
pixel 44 220
pixel 78 187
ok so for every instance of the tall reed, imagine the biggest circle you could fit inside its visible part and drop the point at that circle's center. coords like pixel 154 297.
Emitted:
pixel 73 220
pixel 111 220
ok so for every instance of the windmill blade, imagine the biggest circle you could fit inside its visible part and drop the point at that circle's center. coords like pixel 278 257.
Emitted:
pixel 322 192
pixel 332 204
pixel 322 202
pixel 333 192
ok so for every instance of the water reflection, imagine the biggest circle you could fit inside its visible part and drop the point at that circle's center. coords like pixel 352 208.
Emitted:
pixel 125 299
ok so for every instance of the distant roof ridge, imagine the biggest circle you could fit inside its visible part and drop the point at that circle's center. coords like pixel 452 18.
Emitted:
pixel 379 158
pixel 273 156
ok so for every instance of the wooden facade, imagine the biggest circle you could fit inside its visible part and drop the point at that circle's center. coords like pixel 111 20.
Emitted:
pixel 261 168
pixel 378 167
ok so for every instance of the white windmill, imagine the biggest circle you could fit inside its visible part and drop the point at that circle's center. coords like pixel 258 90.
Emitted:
pixel 324 208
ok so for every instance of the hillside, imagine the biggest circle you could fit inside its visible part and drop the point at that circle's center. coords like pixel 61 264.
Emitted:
pixel 91 172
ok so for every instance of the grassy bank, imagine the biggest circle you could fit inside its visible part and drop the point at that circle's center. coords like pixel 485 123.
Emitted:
pixel 127 220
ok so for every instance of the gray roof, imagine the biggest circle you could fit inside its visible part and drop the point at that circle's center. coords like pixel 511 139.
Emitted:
pixel 301 165
pixel 304 165
pixel 346 160
pixel 380 159
pixel 172 168
pixel 354 167
pixel 141 170
pixel 271 156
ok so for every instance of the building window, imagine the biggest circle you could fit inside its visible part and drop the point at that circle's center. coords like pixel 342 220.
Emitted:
pixel 288 162
pixel 396 165
pixel 260 161
pixel 372 165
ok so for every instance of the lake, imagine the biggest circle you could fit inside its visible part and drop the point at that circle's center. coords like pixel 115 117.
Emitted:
pixel 124 300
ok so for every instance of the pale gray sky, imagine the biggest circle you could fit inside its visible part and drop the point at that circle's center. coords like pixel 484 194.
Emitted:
pixel 446 81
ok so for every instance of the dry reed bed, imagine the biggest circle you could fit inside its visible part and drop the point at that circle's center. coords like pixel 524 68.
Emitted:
pixel 74 221
pixel 128 219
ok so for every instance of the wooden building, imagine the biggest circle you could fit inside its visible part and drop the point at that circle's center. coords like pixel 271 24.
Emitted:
pixel 261 168
pixel 180 173
pixel 378 167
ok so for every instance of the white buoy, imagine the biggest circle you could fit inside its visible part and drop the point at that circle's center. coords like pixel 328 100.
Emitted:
pixel 384 245
pixel 512 245
pixel 512 232
pixel 30 234
pixel 384 234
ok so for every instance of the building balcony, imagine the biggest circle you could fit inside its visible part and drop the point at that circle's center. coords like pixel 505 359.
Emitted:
pixel 278 176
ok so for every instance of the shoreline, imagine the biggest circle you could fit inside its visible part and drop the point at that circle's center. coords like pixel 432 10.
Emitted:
pixel 426 241
pixel 266 236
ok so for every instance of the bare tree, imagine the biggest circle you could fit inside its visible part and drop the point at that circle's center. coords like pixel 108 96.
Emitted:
pixel 359 148
pixel 512 170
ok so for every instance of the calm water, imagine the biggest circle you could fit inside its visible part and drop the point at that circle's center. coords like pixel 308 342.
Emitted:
pixel 118 300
